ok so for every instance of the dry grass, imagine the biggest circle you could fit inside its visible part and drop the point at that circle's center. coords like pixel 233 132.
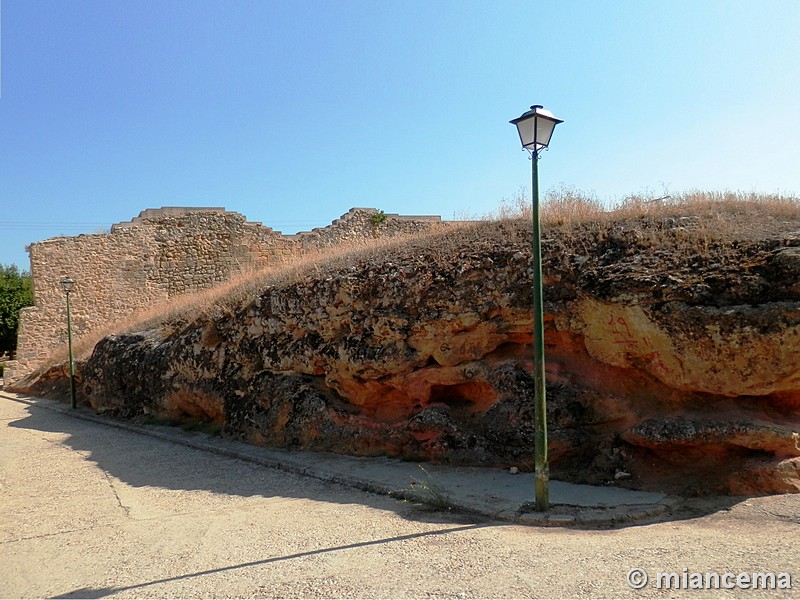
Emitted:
pixel 705 203
pixel 567 206
pixel 310 265
pixel 565 212
pixel 704 218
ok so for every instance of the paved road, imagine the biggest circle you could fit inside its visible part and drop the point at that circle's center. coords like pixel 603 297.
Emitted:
pixel 92 511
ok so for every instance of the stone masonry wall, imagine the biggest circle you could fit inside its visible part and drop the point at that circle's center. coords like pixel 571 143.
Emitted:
pixel 158 255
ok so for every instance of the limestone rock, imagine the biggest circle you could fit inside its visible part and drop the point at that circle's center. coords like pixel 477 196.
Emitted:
pixel 669 366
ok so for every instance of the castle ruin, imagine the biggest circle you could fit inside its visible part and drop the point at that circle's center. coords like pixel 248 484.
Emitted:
pixel 158 255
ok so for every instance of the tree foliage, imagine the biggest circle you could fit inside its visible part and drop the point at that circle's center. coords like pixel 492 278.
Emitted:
pixel 16 292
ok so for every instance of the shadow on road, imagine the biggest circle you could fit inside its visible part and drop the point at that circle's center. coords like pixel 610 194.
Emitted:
pixel 139 460
pixel 102 592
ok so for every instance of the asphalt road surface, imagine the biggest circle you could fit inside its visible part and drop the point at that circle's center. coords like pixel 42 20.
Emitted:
pixel 92 511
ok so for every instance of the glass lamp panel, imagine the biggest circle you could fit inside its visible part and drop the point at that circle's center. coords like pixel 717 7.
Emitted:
pixel 544 130
pixel 525 129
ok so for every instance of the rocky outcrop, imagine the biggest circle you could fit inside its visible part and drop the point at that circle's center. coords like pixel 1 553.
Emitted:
pixel 672 356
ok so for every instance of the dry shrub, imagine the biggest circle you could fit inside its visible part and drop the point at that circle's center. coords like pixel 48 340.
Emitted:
pixel 561 206
pixel 566 205
pixel 512 209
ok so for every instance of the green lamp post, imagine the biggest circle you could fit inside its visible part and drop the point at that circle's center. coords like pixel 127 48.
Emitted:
pixel 535 128
pixel 67 283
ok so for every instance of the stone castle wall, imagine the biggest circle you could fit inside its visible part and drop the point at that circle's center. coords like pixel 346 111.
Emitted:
pixel 158 255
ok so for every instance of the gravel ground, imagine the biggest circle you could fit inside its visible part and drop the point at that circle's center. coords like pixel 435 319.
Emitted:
pixel 92 511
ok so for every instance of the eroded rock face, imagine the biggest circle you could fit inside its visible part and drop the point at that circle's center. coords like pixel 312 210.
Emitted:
pixel 679 365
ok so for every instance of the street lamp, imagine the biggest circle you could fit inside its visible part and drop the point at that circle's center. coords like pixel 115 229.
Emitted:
pixel 535 128
pixel 67 283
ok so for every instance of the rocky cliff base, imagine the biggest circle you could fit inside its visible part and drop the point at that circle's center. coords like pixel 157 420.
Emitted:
pixel 672 349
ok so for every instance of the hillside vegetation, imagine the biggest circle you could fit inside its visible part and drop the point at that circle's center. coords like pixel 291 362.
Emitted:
pixel 16 293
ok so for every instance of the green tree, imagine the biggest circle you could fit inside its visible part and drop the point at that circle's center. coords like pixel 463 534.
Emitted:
pixel 16 292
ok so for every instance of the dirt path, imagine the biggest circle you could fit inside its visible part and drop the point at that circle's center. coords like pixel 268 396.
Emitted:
pixel 91 511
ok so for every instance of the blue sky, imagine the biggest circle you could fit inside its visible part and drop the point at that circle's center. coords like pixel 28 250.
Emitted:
pixel 292 112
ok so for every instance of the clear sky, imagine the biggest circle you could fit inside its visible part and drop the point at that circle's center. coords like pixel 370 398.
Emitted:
pixel 291 112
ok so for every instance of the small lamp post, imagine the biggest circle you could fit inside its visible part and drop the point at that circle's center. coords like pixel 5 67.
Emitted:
pixel 67 283
pixel 535 128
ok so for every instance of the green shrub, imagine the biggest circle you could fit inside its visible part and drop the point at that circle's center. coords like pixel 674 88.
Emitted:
pixel 378 218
